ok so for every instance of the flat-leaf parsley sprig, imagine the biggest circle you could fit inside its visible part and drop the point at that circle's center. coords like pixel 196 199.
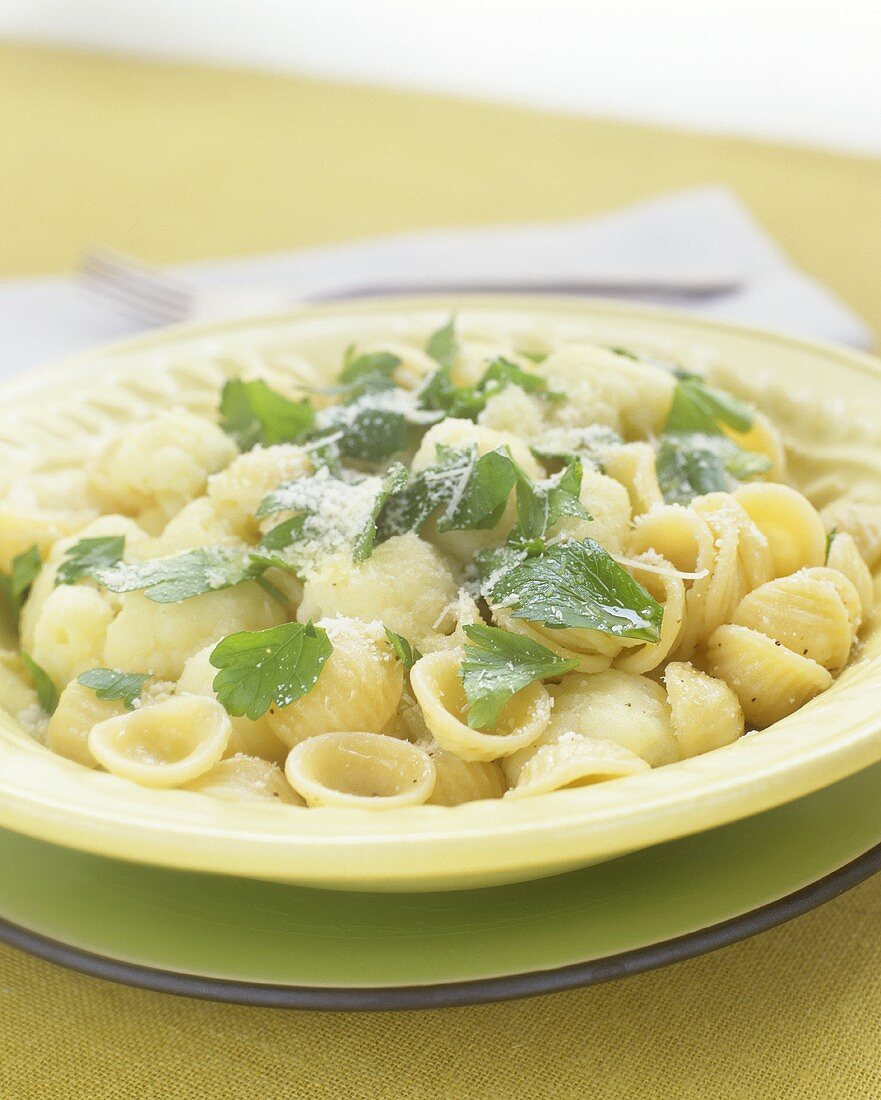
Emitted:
pixel 265 668
pixel 113 684
pixel 576 584
pixel 498 664
pixel 17 583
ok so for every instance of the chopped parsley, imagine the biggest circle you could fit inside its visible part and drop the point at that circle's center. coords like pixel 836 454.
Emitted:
pixel 252 413
pixel 265 668
pixel 113 684
pixel 577 584
pixel 332 516
pixel 472 491
pixel 89 557
pixel 691 464
pixel 367 368
pixel 372 425
pixel 439 392
pixel 406 653
pixel 497 665
pixel 170 580
pixel 47 692
pixel 541 503
pixel 698 407
pixel 17 583
pixel 442 345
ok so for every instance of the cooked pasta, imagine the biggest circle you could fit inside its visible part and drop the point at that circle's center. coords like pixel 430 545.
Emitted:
pixel 439 692
pixel 242 778
pixel 360 771
pixel 446 572
pixel 358 689
pixel 165 745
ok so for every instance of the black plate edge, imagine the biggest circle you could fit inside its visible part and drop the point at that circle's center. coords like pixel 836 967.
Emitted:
pixel 452 994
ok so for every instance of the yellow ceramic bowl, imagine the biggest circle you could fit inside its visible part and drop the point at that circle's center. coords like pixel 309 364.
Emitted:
pixel 828 404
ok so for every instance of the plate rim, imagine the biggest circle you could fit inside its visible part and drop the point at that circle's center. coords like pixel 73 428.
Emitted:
pixel 457 994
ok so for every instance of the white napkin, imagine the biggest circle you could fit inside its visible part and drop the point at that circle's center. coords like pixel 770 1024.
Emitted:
pixel 702 230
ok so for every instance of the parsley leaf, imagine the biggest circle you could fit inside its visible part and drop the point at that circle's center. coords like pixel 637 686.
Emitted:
pixel 472 490
pixel 170 580
pixel 479 493
pixel 698 407
pixel 406 653
pixel 47 692
pixel 691 464
pixel 442 345
pixel 112 684
pixel 264 668
pixel 332 516
pixel 89 557
pixel 578 584
pixel 499 664
pixel 367 430
pixel 374 424
pixel 541 503
pixel 440 392
pixel 625 352
pixel 366 368
pixel 394 480
pixel 252 413
pixel 26 568
pixel 830 538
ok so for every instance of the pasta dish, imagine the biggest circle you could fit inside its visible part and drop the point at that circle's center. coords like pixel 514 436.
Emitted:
pixel 462 571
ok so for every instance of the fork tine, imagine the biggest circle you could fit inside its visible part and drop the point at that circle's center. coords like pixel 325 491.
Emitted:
pixel 147 291
pixel 130 302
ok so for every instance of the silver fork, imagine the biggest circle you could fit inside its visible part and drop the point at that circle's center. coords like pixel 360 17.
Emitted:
pixel 156 297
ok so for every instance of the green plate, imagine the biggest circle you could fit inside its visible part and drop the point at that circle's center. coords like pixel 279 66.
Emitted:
pixel 266 943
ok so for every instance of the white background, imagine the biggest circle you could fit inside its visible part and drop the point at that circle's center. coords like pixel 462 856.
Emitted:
pixel 807 71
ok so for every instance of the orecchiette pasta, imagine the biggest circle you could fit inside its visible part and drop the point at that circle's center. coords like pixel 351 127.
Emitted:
pixel 633 465
pixel 79 710
pixel 358 689
pixel 666 586
pixel 789 522
pixel 562 758
pixel 705 712
pixel 625 584
pixel 360 771
pixel 844 557
pixel 242 778
pixel 632 711
pixel 247 739
pixel 165 745
pixel 862 522
pixel 806 613
pixel 770 680
pixel 438 689
pixel 458 781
